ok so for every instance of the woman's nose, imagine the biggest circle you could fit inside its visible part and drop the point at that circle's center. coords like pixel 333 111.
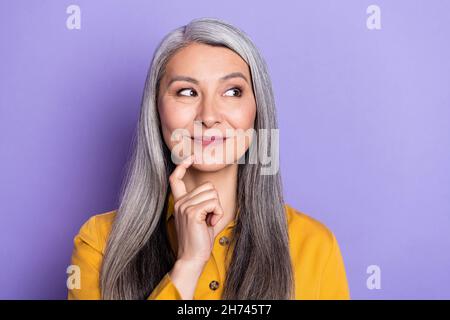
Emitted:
pixel 209 114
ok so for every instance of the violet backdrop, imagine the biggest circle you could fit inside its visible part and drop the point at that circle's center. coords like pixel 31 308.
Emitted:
pixel 364 119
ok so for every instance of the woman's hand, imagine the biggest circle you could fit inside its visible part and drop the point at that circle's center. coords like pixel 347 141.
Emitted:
pixel 196 215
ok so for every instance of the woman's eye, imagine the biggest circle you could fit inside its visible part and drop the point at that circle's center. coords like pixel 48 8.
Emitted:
pixel 233 92
pixel 187 92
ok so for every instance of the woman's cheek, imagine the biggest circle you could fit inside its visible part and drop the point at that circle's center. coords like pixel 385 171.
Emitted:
pixel 243 117
pixel 173 120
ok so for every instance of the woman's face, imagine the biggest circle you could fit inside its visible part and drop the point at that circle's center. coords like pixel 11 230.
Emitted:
pixel 206 92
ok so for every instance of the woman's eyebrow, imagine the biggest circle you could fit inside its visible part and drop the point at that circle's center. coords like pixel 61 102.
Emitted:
pixel 234 75
pixel 195 81
pixel 182 78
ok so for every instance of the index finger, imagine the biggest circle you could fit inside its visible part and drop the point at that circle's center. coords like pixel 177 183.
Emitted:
pixel 176 183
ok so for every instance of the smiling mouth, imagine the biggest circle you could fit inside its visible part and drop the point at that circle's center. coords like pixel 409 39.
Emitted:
pixel 204 141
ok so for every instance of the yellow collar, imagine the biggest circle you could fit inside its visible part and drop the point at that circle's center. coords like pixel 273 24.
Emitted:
pixel 170 209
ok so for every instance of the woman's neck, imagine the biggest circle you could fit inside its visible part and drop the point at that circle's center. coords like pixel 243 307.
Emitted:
pixel 225 182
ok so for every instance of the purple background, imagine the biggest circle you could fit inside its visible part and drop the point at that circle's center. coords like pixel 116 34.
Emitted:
pixel 364 117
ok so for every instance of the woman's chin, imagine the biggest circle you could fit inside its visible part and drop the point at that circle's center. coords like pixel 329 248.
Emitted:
pixel 209 167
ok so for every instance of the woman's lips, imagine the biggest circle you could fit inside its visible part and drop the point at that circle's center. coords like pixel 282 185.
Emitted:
pixel 208 140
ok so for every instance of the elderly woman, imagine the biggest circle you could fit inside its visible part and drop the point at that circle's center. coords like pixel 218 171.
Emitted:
pixel 196 224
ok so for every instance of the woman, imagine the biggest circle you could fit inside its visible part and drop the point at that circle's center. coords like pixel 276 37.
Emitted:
pixel 187 228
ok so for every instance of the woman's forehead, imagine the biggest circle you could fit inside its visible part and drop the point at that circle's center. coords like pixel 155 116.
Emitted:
pixel 202 61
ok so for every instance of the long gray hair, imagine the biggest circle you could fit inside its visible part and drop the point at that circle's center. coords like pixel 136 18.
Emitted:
pixel 138 252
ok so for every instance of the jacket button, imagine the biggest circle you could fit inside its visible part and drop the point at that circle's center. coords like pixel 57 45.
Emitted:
pixel 224 241
pixel 213 285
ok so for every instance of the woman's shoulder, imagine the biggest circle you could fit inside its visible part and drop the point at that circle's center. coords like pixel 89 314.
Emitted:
pixel 305 229
pixel 316 257
pixel 95 230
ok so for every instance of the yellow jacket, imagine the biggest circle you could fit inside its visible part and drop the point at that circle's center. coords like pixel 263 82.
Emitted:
pixel 319 270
